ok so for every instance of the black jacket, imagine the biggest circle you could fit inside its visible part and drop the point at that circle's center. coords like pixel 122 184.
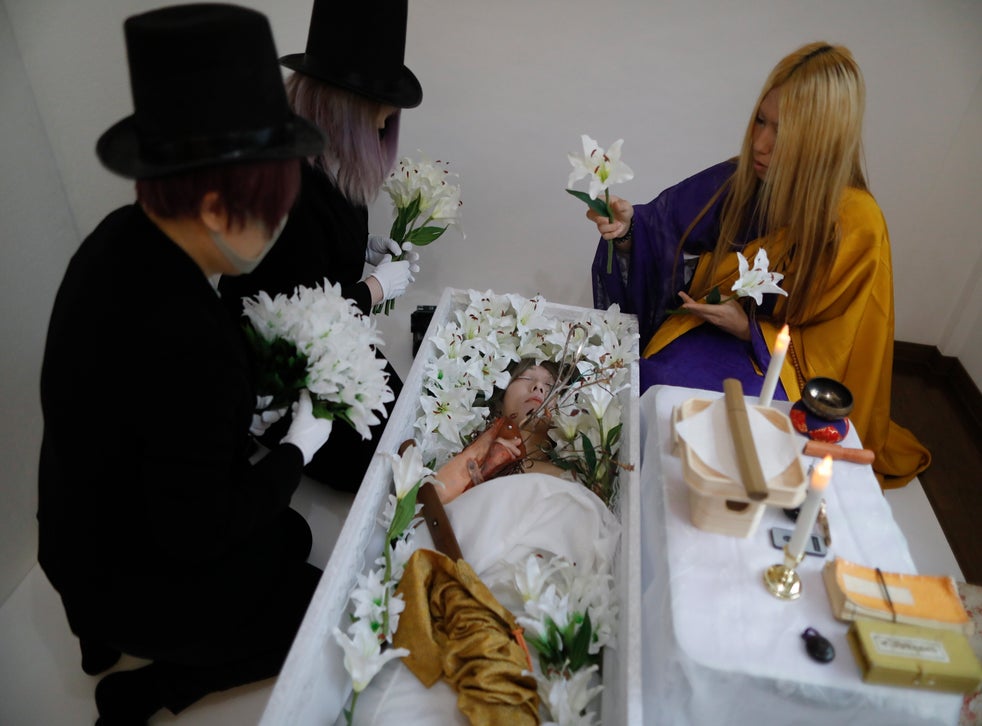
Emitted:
pixel 148 505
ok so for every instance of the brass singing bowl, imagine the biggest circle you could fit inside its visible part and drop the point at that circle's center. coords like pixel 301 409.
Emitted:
pixel 827 398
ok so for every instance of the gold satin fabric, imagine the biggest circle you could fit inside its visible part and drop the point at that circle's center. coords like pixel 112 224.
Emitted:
pixel 848 335
pixel 454 627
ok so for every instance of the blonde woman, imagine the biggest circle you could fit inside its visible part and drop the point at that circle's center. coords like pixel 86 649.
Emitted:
pixel 798 191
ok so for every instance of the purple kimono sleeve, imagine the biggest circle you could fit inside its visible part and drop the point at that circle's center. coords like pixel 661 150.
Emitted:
pixel 647 287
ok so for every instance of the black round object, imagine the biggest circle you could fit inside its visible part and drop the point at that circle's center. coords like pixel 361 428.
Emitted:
pixel 818 646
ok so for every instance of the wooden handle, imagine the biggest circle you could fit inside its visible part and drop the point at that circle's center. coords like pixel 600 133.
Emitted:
pixel 751 473
pixel 437 522
pixel 856 456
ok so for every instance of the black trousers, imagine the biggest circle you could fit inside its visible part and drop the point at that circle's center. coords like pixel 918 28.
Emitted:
pixel 231 644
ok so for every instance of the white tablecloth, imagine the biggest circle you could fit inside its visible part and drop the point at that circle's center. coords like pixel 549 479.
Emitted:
pixel 718 648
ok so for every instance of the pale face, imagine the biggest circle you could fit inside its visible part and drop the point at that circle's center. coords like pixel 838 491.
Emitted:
pixel 526 392
pixel 384 113
pixel 765 132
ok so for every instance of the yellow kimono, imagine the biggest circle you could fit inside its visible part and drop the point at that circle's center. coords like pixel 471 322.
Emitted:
pixel 848 336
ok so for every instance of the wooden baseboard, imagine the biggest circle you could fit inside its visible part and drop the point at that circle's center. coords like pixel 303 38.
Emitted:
pixel 927 362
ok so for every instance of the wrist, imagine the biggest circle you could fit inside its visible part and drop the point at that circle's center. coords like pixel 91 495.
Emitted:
pixel 625 239
pixel 375 289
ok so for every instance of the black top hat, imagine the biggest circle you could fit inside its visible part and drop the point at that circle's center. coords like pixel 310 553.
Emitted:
pixel 206 90
pixel 360 45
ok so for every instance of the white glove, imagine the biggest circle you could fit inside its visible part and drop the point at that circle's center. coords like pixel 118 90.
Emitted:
pixel 307 432
pixel 378 247
pixel 410 255
pixel 262 419
pixel 393 277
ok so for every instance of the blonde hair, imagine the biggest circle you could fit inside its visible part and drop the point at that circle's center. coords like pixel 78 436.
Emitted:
pixel 355 158
pixel 817 154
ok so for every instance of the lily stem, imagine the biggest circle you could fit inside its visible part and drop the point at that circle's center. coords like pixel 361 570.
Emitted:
pixel 610 242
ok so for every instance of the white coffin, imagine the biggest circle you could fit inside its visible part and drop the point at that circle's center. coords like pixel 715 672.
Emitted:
pixel 313 686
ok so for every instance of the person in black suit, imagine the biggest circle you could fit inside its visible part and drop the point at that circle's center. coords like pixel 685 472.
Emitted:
pixel 161 537
pixel 351 82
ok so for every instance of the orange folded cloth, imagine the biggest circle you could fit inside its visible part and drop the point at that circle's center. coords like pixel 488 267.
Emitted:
pixel 454 627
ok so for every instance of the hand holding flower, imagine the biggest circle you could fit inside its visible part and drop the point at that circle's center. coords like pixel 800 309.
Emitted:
pixel 425 206
pixel 379 246
pixel 623 212
pixel 264 417
pixel 603 168
pixel 752 282
pixel 728 316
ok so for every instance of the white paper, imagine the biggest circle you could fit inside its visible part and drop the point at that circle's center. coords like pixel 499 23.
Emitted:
pixel 707 434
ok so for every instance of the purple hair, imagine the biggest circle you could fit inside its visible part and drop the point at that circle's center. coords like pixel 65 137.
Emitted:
pixel 259 190
pixel 357 158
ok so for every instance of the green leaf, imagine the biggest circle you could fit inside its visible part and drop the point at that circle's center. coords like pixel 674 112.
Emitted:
pixel 713 297
pixel 579 646
pixel 326 410
pixel 405 510
pixel 404 217
pixel 281 369
pixel 589 453
pixel 613 436
pixel 422 236
pixel 597 205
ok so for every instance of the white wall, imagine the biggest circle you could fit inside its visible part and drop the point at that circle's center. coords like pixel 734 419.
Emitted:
pixel 509 85
pixel 37 233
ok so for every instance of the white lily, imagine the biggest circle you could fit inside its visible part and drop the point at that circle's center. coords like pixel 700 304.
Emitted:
pixel 407 470
pixel 533 578
pixel 566 424
pixel 567 698
pixel 603 168
pixel 447 411
pixel 369 596
pixel 595 399
pixel 401 551
pixel 754 282
pixel 363 654
pixel 339 343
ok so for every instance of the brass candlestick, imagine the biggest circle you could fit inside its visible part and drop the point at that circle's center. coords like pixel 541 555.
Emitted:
pixel 782 581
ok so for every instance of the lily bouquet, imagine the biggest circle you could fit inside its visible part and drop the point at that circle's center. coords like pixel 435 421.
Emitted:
pixel 753 282
pixel 473 353
pixel 425 205
pixel 569 617
pixel 603 168
pixel 316 339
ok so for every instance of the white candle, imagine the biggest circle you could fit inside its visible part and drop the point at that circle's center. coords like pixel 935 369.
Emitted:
pixel 808 513
pixel 774 369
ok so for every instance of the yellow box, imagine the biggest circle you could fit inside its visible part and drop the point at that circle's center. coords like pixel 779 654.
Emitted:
pixel 895 654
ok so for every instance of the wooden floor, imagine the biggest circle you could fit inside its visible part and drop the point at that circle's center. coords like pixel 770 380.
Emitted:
pixel 934 397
